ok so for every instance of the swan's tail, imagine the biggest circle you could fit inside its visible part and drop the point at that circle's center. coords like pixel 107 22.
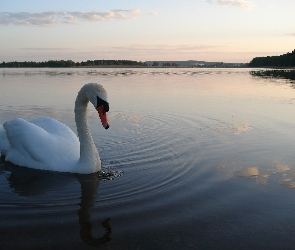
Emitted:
pixel 4 143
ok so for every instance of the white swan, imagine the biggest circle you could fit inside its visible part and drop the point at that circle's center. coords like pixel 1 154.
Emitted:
pixel 44 143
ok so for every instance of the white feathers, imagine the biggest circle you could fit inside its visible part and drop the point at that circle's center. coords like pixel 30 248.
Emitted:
pixel 41 143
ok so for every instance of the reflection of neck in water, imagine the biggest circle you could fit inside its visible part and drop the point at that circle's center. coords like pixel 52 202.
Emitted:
pixel 89 187
pixel 32 182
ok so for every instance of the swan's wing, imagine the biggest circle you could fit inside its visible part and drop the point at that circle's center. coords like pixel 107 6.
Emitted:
pixel 53 126
pixel 4 143
pixel 33 146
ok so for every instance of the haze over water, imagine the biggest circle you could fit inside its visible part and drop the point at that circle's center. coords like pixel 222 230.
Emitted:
pixel 198 159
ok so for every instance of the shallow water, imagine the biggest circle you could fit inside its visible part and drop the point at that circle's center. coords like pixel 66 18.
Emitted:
pixel 201 159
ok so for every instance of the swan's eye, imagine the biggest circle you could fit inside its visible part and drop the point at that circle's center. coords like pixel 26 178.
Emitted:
pixel 106 107
pixel 103 103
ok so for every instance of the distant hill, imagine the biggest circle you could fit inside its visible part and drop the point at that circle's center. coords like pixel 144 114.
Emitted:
pixel 285 60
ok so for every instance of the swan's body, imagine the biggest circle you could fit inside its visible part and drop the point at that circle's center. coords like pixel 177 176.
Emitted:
pixel 44 143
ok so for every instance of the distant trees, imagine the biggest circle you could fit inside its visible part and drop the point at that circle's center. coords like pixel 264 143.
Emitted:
pixel 166 64
pixel 51 63
pixel 62 63
pixel 70 63
pixel 285 60
pixel 111 63
pixel 170 64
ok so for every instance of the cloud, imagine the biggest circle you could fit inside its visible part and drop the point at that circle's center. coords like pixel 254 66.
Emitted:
pixel 55 17
pixel 152 13
pixel 24 18
pixel 43 49
pixel 243 4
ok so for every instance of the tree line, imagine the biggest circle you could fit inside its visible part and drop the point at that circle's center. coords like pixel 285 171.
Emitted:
pixel 285 60
pixel 70 63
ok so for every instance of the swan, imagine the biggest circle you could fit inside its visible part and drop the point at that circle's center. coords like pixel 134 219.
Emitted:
pixel 47 144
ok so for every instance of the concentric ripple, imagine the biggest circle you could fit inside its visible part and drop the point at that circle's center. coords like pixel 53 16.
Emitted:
pixel 161 158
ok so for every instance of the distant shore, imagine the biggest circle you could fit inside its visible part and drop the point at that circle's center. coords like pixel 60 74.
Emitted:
pixel 150 67
pixel 120 64
pixel 153 67
pixel 131 66
pixel 175 67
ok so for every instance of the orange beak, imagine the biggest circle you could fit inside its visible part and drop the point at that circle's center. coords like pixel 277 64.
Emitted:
pixel 103 117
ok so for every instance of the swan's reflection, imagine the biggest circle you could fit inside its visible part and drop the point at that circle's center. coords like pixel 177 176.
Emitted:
pixel 30 182
pixel 89 186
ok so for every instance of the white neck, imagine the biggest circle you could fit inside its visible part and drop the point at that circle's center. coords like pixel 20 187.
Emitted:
pixel 89 161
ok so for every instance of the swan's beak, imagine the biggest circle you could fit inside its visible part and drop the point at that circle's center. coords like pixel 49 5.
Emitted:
pixel 103 117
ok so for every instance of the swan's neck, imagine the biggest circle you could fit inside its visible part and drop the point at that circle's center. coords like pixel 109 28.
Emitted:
pixel 89 157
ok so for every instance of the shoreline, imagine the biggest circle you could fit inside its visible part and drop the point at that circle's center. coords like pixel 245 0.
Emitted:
pixel 128 66
pixel 153 67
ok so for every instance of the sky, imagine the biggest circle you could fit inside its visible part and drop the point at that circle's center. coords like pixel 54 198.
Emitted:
pixel 145 30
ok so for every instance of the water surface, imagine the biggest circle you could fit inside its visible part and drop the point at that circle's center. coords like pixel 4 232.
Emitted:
pixel 201 159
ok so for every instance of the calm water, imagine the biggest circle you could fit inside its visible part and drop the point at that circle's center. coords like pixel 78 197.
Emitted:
pixel 200 159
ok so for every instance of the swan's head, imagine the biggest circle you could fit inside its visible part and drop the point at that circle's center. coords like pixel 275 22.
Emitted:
pixel 97 95
pixel 102 108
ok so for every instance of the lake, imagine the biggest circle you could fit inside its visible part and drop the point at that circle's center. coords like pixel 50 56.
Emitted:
pixel 193 159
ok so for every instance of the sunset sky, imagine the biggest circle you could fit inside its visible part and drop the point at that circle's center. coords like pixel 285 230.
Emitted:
pixel 145 30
